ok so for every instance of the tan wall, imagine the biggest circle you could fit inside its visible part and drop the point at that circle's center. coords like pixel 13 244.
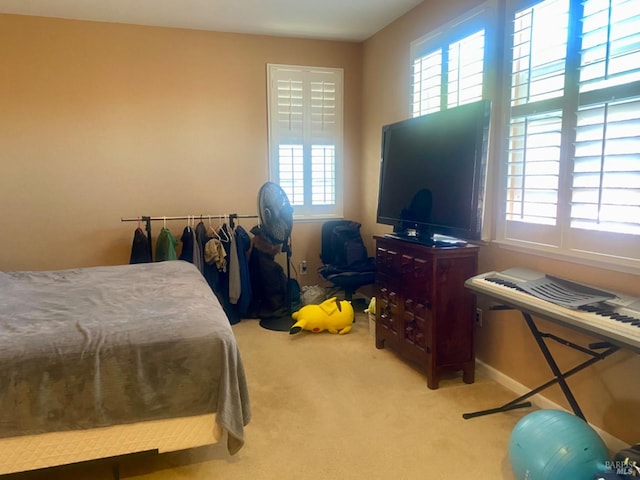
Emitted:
pixel 609 392
pixel 102 121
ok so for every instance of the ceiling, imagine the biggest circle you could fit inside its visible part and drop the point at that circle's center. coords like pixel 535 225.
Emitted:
pixel 349 20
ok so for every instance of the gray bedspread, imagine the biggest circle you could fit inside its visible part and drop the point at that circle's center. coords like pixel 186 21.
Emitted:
pixel 100 346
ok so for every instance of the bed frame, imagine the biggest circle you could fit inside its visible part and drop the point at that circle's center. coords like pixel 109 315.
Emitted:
pixel 34 452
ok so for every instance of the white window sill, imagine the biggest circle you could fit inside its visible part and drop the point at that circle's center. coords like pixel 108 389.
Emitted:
pixel 608 262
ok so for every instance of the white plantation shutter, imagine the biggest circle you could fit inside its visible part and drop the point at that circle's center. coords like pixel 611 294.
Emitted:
pixel 324 115
pixel 466 70
pixel 537 87
pixel 289 108
pixel 610 53
pixel 459 67
pixel 540 36
pixel 448 65
pixel 533 170
pixel 324 124
pixel 305 137
pixel 323 174
pixel 291 172
pixel 427 83
pixel 606 174
pixel 572 170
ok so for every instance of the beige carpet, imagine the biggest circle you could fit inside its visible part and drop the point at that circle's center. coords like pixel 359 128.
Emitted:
pixel 334 407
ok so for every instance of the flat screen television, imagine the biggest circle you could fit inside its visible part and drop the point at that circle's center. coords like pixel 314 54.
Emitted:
pixel 433 175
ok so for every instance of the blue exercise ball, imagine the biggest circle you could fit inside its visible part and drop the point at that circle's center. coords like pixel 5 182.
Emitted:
pixel 555 445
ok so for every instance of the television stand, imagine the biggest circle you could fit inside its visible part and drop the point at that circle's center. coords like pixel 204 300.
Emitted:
pixel 423 310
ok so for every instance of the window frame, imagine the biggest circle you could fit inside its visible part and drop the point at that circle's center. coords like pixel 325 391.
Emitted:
pixel 597 248
pixel 308 141
pixel 481 17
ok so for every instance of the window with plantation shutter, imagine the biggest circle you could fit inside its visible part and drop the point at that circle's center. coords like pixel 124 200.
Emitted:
pixel 606 174
pixel 572 169
pixel 448 65
pixel 537 88
pixel 305 137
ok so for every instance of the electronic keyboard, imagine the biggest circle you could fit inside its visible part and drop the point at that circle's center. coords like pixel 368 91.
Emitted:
pixel 611 316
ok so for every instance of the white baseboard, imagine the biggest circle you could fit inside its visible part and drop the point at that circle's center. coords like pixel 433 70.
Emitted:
pixel 613 444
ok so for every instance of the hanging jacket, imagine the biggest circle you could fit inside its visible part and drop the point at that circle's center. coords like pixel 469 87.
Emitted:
pixel 191 248
pixel 140 252
pixel 202 237
pixel 165 246
pixel 187 240
pixel 243 244
pixel 224 276
pixel 234 269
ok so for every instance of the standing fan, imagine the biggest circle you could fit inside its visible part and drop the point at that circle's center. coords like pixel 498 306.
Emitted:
pixel 276 222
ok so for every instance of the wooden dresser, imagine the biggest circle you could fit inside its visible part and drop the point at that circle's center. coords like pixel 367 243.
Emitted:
pixel 423 310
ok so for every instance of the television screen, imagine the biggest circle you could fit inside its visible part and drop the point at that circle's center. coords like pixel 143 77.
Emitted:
pixel 432 177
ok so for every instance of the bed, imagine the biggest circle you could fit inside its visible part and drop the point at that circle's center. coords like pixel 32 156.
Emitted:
pixel 105 361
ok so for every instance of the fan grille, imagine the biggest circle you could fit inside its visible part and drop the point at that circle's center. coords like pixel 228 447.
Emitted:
pixel 276 214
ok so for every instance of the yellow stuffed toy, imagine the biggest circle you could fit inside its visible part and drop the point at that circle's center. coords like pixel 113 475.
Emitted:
pixel 331 315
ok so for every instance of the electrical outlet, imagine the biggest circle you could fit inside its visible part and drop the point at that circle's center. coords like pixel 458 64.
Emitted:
pixel 478 318
pixel 303 267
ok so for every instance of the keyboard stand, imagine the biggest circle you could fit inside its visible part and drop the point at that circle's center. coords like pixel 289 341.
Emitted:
pixel 560 377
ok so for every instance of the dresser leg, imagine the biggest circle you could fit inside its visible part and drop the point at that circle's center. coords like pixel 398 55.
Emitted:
pixel 469 374
pixel 433 379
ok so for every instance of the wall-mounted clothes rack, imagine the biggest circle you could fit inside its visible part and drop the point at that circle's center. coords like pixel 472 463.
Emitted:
pixel 147 220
